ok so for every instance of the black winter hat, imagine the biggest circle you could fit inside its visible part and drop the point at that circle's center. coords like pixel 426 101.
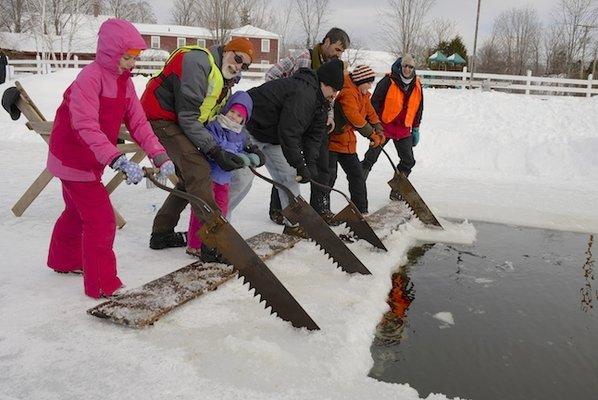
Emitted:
pixel 331 73
pixel 9 102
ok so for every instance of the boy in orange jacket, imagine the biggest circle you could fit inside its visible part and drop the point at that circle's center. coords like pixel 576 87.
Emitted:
pixel 353 112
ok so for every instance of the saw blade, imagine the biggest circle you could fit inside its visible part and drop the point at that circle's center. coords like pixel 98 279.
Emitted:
pixel 300 212
pixel 352 218
pixel 400 183
pixel 252 269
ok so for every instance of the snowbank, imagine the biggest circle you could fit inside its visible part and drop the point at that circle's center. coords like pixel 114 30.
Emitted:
pixel 491 156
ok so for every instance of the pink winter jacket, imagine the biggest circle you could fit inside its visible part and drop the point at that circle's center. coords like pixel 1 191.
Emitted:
pixel 87 123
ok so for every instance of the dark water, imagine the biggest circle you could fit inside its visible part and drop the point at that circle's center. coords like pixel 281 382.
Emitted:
pixel 525 309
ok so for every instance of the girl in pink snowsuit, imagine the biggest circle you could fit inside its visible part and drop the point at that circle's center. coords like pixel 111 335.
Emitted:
pixel 83 142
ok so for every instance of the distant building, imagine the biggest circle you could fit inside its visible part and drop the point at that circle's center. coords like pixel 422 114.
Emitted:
pixel 162 39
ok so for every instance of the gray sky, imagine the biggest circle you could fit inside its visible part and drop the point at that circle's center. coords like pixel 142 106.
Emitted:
pixel 360 17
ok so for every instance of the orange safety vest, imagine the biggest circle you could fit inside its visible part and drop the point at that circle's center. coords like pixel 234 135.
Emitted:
pixel 393 104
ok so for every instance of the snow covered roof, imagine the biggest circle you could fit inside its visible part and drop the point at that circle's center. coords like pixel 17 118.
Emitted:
pixel 456 59
pixel 173 30
pixel 86 27
pixel 252 31
pixel 438 57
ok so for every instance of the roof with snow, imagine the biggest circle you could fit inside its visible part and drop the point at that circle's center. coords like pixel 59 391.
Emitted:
pixel 173 30
pixel 254 32
pixel 438 57
pixel 456 59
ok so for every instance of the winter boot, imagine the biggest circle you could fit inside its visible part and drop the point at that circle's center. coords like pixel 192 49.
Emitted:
pixel 395 195
pixel 211 255
pixel 193 252
pixel 276 217
pixel 160 241
pixel 295 230
pixel 327 216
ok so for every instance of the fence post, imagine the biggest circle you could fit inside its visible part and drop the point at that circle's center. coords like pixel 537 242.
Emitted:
pixel 589 92
pixel 464 78
pixel 528 82
pixel 38 64
pixel 76 59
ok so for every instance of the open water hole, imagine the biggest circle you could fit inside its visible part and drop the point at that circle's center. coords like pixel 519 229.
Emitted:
pixel 513 316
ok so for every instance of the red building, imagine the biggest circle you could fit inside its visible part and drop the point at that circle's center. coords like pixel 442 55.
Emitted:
pixel 169 37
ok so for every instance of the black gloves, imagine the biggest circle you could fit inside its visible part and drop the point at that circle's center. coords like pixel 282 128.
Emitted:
pixel 306 173
pixel 226 160
pixel 251 148
pixel 303 174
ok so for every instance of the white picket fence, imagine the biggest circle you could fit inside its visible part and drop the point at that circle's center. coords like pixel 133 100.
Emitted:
pixel 523 84
pixel 39 66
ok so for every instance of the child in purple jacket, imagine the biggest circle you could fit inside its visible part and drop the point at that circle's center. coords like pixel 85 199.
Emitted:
pixel 83 143
pixel 228 128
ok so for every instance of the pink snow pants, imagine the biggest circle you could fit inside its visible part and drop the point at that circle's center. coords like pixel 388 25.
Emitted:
pixel 83 236
pixel 221 197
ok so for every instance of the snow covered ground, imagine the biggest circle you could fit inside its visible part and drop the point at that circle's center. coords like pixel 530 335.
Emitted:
pixel 482 156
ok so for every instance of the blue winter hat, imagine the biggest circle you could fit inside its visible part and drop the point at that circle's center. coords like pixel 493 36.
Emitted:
pixel 396 67
pixel 241 98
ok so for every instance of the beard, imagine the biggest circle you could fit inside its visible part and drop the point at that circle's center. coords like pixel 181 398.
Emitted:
pixel 228 73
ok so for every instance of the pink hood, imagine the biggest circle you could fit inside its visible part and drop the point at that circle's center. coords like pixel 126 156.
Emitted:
pixel 85 130
pixel 114 38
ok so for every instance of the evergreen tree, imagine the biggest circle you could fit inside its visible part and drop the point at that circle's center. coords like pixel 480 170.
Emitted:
pixel 245 16
pixel 456 46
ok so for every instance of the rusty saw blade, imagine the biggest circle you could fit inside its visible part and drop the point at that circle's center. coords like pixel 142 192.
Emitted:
pixel 217 232
pixel 400 183
pixel 300 212
pixel 352 218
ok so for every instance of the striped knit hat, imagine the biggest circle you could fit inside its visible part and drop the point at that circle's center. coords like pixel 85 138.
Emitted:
pixel 362 74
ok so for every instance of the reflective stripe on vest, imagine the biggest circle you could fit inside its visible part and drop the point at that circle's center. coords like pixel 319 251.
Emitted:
pixel 210 106
pixel 393 104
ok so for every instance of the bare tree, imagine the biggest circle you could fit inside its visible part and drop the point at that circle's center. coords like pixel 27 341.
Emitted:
pixel 516 33
pixel 555 53
pixel 12 15
pixel 441 30
pixel 312 14
pixel 257 13
pixel 281 24
pixel 356 54
pixel 402 24
pixel 184 13
pixel 136 11
pixel 218 16
pixel 570 15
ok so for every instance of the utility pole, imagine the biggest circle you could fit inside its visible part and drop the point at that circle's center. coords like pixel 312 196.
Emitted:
pixel 475 45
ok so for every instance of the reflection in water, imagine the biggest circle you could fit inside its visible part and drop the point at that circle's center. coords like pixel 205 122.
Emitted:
pixel 390 329
pixel 586 291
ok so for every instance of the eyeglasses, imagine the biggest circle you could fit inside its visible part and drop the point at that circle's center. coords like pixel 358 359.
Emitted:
pixel 239 60
pixel 409 66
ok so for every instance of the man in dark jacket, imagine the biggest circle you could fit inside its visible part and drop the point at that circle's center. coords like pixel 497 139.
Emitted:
pixel 289 122
pixel 334 43
pixel 399 102
pixel 192 87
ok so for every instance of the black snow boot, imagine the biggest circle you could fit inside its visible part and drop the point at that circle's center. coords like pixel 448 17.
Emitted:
pixel 395 195
pixel 159 241
pixel 211 255
pixel 327 216
pixel 295 230
pixel 277 217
